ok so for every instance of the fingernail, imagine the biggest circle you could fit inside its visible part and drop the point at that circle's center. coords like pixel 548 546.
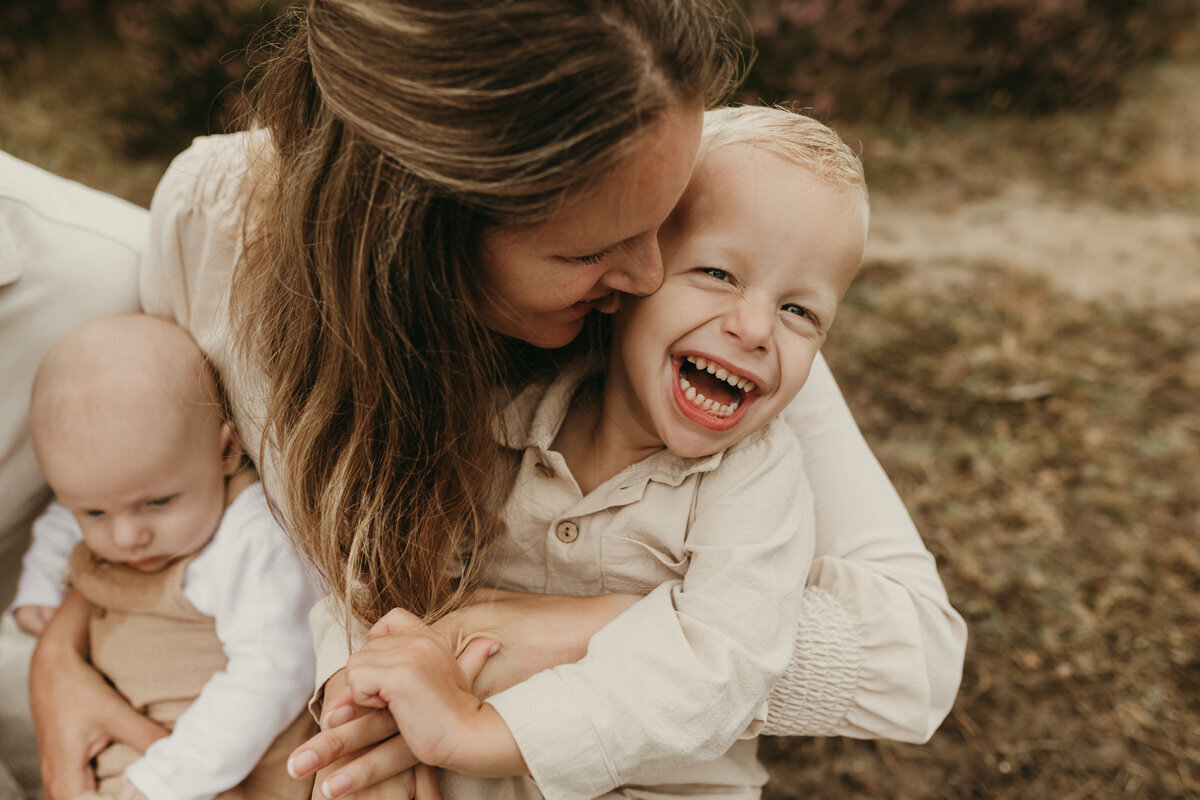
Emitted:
pixel 494 649
pixel 338 716
pixel 302 763
pixel 335 785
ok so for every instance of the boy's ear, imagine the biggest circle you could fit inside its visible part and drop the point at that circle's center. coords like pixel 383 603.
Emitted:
pixel 233 455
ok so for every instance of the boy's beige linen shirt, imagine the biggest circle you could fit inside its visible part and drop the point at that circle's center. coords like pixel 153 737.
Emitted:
pixel 714 544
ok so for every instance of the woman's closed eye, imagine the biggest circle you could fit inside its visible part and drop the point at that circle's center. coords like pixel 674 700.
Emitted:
pixel 594 258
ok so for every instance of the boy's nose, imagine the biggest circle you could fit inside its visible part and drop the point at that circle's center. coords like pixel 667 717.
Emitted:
pixel 750 323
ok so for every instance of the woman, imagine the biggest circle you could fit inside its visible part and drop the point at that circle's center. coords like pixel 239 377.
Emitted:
pixel 434 174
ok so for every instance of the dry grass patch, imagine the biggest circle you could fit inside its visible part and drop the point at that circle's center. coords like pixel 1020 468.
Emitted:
pixel 1049 450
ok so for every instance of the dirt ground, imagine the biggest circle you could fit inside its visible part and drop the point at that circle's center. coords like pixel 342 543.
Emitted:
pixel 1022 350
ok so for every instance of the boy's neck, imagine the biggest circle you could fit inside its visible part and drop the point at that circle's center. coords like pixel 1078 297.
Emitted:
pixel 592 440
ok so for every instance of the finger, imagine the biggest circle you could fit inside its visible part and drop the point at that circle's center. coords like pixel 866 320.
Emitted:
pixel 126 725
pixel 475 655
pixel 342 709
pixel 398 787
pixel 426 783
pixel 378 765
pixel 395 621
pixel 329 745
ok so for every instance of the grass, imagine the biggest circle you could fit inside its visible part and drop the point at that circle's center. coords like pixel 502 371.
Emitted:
pixel 1048 447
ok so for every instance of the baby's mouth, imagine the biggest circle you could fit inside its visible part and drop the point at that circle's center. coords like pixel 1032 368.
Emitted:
pixel 712 388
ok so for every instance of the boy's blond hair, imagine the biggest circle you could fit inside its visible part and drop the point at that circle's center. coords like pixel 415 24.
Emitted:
pixel 794 137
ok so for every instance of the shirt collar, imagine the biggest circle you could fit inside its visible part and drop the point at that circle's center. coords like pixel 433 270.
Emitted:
pixel 534 417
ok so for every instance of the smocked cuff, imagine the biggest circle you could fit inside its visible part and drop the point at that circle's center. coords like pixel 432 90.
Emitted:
pixel 819 685
pixel 560 747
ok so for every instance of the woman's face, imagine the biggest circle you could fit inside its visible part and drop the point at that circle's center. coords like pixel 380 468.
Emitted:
pixel 540 281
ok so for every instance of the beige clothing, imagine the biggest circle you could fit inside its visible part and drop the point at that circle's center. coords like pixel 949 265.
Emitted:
pixel 879 650
pixel 68 254
pixel 711 542
pixel 159 652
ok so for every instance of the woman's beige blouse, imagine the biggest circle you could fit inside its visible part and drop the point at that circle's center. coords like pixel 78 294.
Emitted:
pixel 879 651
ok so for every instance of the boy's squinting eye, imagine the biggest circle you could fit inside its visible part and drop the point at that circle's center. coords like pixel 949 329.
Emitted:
pixel 799 311
pixel 158 502
pixel 719 274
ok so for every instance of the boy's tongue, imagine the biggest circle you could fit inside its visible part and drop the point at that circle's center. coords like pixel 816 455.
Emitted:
pixel 708 384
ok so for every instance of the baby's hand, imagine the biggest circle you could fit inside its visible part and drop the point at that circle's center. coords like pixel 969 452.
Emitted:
pixel 33 619
pixel 410 669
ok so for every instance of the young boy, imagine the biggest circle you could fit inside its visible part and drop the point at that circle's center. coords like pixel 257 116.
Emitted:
pixel 669 475
pixel 199 603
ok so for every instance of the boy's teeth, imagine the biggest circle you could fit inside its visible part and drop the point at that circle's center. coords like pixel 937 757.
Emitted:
pixel 720 372
pixel 683 383
pixel 691 393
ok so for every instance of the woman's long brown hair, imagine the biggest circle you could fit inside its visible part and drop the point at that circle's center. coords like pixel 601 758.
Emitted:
pixel 398 131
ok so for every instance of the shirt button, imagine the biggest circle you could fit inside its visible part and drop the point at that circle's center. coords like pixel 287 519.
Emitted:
pixel 545 470
pixel 567 532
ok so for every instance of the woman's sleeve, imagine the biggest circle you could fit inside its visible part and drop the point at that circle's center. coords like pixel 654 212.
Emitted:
pixel 879 651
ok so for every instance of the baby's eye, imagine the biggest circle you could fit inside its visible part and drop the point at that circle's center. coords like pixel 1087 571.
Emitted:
pixel 158 502
pixel 594 258
pixel 719 274
pixel 94 513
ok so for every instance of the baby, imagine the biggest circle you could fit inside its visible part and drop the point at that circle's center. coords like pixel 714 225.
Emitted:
pixel 669 475
pixel 199 603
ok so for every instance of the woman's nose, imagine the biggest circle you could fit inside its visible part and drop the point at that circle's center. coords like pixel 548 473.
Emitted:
pixel 639 272
pixel 750 323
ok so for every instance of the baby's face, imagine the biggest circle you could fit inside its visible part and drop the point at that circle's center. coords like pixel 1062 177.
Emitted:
pixel 756 259
pixel 146 489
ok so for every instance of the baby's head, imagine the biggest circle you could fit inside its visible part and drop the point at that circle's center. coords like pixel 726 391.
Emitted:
pixel 130 433
pixel 756 258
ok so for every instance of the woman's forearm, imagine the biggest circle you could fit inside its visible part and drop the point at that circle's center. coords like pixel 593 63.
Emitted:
pixel 880 649
pixel 66 635
pixel 76 714
pixel 535 631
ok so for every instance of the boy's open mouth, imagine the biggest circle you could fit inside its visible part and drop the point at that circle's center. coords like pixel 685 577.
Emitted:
pixel 712 388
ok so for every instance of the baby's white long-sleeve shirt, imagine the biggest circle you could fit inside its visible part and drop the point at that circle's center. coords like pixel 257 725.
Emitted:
pixel 250 581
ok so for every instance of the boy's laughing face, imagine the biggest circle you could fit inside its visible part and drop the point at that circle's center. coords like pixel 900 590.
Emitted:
pixel 756 258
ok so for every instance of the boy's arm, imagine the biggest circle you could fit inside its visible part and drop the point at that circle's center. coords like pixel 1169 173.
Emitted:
pixel 251 582
pixel 412 670
pixel 681 675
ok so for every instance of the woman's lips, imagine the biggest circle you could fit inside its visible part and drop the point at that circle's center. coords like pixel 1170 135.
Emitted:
pixel 605 304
